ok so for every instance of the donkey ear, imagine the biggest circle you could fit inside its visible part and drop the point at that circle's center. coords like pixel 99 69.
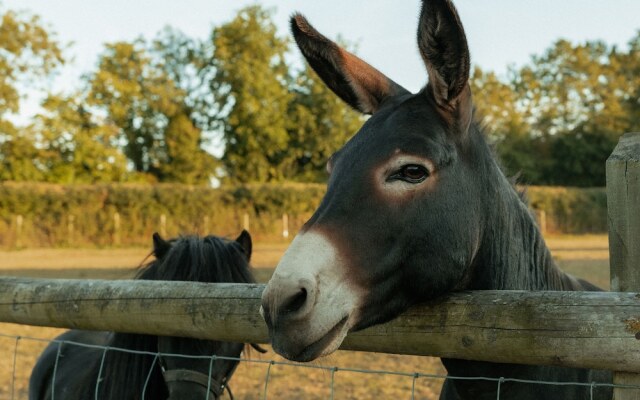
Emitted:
pixel 353 80
pixel 160 246
pixel 245 241
pixel 443 47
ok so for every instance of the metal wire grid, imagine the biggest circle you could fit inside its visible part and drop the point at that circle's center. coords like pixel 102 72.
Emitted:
pixel 270 363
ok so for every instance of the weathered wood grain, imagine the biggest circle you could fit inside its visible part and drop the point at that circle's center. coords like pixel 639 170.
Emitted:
pixel 623 211
pixel 586 329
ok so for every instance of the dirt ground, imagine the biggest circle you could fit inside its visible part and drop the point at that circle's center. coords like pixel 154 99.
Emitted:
pixel 583 256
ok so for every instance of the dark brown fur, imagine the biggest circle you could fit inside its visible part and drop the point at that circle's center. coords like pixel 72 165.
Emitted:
pixel 123 374
pixel 467 228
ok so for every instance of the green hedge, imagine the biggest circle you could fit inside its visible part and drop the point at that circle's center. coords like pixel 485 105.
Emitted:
pixel 83 215
pixel 79 215
pixel 571 210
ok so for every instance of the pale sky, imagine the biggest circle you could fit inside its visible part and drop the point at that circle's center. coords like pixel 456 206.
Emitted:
pixel 500 32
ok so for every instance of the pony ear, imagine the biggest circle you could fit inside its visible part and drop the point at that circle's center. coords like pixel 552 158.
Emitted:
pixel 160 246
pixel 245 241
pixel 353 80
pixel 443 47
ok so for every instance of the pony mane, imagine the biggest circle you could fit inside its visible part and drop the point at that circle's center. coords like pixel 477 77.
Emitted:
pixel 200 259
pixel 189 258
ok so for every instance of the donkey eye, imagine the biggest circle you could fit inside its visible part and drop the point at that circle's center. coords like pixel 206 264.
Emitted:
pixel 411 173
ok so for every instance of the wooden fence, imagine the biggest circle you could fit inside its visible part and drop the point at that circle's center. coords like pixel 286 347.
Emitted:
pixel 577 329
pixel 281 226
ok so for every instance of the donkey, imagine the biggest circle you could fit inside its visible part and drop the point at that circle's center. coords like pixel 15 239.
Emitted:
pixel 416 207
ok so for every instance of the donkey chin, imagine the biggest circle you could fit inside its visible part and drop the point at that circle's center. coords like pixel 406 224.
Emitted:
pixel 296 343
pixel 308 305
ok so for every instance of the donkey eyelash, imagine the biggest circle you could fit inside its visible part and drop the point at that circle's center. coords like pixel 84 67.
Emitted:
pixel 410 173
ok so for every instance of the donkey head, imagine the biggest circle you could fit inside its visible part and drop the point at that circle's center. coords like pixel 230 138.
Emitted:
pixel 400 221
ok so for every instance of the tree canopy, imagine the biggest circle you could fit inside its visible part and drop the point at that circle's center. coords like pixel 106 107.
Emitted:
pixel 29 54
pixel 157 110
pixel 556 120
pixel 251 89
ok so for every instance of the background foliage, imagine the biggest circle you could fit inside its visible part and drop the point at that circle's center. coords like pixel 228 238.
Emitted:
pixel 556 120
pixel 46 210
pixel 153 110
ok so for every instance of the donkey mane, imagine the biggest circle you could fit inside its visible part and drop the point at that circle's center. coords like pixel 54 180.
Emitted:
pixel 513 250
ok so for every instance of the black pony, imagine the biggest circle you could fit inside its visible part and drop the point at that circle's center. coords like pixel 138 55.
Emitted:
pixel 83 372
pixel 416 207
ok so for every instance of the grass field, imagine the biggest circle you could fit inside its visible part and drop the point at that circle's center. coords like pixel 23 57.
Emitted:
pixel 583 256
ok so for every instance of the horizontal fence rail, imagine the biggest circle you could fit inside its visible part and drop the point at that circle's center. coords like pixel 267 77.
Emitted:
pixel 577 329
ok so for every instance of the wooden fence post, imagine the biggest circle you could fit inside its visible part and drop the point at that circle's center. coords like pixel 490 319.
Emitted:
pixel 285 225
pixel 205 226
pixel 71 228
pixel 542 221
pixel 19 221
pixel 163 226
pixel 116 229
pixel 623 209
pixel 245 221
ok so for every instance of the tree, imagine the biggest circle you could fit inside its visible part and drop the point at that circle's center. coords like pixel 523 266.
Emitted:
pixel 145 93
pixel 629 66
pixel 497 106
pixel 185 159
pixel 251 90
pixel 557 119
pixel 29 54
pixel 278 124
pixel 188 63
pixel 320 123
pixel 76 147
pixel 18 155
pixel 134 96
pixel 574 102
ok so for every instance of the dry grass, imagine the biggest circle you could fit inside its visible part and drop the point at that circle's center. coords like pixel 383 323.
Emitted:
pixel 583 256
pixel 293 382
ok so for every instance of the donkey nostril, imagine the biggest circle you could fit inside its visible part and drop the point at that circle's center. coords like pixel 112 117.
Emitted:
pixel 296 302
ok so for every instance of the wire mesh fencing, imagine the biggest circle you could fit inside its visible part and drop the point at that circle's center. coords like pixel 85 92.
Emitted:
pixel 262 378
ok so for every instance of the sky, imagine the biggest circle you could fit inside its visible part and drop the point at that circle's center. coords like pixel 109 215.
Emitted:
pixel 500 32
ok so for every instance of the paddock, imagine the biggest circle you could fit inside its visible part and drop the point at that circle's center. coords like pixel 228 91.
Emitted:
pixel 577 329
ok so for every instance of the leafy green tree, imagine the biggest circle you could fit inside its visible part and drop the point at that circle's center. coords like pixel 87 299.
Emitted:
pixel 19 155
pixel 76 147
pixel 629 66
pixel 557 119
pixel 277 123
pixel 188 64
pixel 134 96
pixel 320 124
pixel 573 98
pixel 29 54
pixel 498 107
pixel 185 160
pixel 251 90
pixel 145 94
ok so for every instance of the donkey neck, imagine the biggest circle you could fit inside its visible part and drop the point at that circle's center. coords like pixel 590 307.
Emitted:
pixel 512 254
